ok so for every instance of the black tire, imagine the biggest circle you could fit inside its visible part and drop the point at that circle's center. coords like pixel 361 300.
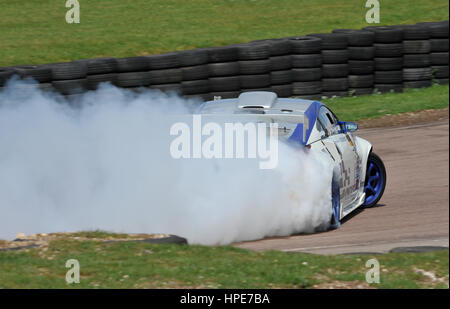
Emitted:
pixel 439 45
pixel 195 72
pixel 255 81
pixel 40 74
pixel 68 70
pixel 361 53
pixel 388 50
pixel 439 58
pixel 305 88
pixel 414 32
pixel 132 64
pixel 332 41
pixel 360 81
pixel 384 88
pixel 167 76
pixel 416 60
pixel 281 77
pixel 195 86
pixel 374 157
pixel 101 66
pixel 277 47
pixel 305 45
pixel 388 77
pixel 224 84
pixel 282 91
pixel 133 79
pixel 436 29
pixel 202 97
pixel 441 81
pixel 67 87
pixel 362 67
pixel 386 34
pixel 94 80
pixel 266 89
pixel 188 58
pixel 163 61
pixel 416 47
pixel 306 75
pixel 332 94
pixel 223 69
pixel 280 63
pixel 335 56
pixel 334 70
pixel 418 84
pixel 415 74
pixel 253 51
pixel 250 67
pixel 167 87
pixel 334 84
pixel 5 75
pixel 388 64
pixel 357 37
pixel 440 71
pixel 306 61
pixel 313 97
pixel 222 54
pixel 225 94
pixel 360 91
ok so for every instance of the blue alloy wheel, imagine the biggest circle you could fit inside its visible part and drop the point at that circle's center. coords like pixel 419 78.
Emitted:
pixel 375 180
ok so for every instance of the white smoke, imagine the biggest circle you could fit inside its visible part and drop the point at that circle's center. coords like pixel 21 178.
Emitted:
pixel 105 164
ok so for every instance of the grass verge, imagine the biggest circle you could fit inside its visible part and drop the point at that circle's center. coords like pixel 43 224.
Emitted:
pixel 36 32
pixel 141 265
pixel 377 105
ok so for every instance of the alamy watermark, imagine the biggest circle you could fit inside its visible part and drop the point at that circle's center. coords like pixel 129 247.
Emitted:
pixel 73 274
pixel 373 274
pixel 225 141
pixel 73 14
pixel 373 14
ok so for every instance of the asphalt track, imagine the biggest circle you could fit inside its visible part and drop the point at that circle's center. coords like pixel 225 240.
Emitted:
pixel 414 210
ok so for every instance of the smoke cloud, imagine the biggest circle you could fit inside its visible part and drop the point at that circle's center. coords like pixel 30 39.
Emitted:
pixel 102 162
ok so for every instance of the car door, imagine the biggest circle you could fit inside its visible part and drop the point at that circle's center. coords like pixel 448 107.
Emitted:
pixel 341 147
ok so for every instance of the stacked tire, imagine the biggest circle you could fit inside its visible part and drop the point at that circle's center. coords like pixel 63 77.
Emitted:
pixel 133 72
pixel 334 64
pixel 165 73
pixel 361 60
pixel 40 74
pixel 254 66
pixel 279 66
pixel 224 71
pixel 69 78
pixel 439 50
pixel 101 70
pixel 194 73
pixel 388 59
pixel 417 71
pixel 306 67
pixel 5 75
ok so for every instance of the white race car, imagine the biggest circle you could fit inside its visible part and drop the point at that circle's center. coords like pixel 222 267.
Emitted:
pixel 359 175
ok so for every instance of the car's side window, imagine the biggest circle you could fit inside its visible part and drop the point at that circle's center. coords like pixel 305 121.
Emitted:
pixel 329 121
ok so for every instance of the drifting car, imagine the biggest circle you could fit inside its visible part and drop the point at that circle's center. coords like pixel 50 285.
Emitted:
pixel 359 175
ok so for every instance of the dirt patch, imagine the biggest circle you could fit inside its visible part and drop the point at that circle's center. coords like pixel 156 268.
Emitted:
pixel 405 119
pixel 343 285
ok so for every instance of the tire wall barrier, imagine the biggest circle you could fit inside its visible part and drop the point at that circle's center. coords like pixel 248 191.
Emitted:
pixel 341 63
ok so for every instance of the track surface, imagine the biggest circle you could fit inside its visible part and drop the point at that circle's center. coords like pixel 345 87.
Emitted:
pixel 414 210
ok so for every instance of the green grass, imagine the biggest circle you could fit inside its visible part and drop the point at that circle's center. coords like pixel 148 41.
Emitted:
pixel 35 32
pixel 141 265
pixel 373 106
